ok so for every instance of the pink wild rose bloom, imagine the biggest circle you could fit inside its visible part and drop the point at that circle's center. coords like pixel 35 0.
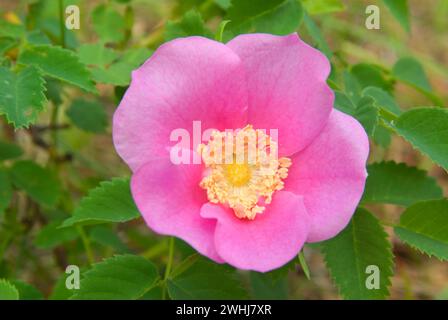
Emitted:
pixel 236 213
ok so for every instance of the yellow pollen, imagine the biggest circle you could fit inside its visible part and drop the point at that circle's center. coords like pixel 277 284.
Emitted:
pixel 243 170
pixel 238 174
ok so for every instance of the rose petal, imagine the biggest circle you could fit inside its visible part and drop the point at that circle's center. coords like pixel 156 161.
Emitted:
pixel 169 199
pixel 269 241
pixel 186 79
pixel 330 174
pixel 287 87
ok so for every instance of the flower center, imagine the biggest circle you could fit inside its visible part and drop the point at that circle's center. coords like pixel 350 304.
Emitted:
pixel 243 170
pixel 238 174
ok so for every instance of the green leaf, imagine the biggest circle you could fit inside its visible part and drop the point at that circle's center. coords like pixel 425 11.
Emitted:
pixel 317 36
pixel 423 226
pixel 59 63
pixel 352 87
pixel 120 277
pixel 323 6
pixel 8 291
pixel 427 130
pixel 119 72
pixel 8 29
pixel 183 6
pixel 400 10
pixel 361 244
pixel 344 103
pixel 264 286
pixel 108 23
pixel 397 183
pixel 282 20
pixel 51 235
pixel 89 116
pixel 60 290
pixel 382 136
pixel 304 265
pixel 96 54
pixel 366 100
pixel 223 4
pixel 365 111
pixel 367 114
pixel 22 96
pixel 370 75
pixel 136 56
pixel 7 44
pixel 191 24
pixel 411 72
pixel 40 183
pixel 27 291
pixel 269 16
pixel 155 293
pixel 37 37
pixel 110 202
pixel 9 151
pixel 109 238
pixel 54 91
pixel 198 278
pixel 5 191
pixel 382 99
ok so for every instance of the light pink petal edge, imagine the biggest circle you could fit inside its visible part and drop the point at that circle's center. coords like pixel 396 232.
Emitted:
pixel 330 174
pixel 286 79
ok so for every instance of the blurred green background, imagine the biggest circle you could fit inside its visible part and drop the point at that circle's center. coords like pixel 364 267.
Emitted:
pixel 81 152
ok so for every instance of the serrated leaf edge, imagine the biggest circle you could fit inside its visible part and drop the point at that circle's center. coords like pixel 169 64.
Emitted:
pixel 389 258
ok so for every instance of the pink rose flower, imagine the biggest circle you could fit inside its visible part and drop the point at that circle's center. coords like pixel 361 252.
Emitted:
pixel 233 213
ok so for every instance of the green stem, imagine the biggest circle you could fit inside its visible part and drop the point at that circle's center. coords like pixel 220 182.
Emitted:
pixel 156 250
pixel 55 112
pixel 54 133
pixel 61 22
pixel 86 243
pixel 154 39
pixel 168 266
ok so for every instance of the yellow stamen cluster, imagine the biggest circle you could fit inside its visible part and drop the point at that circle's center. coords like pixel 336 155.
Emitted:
pixel 243 170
